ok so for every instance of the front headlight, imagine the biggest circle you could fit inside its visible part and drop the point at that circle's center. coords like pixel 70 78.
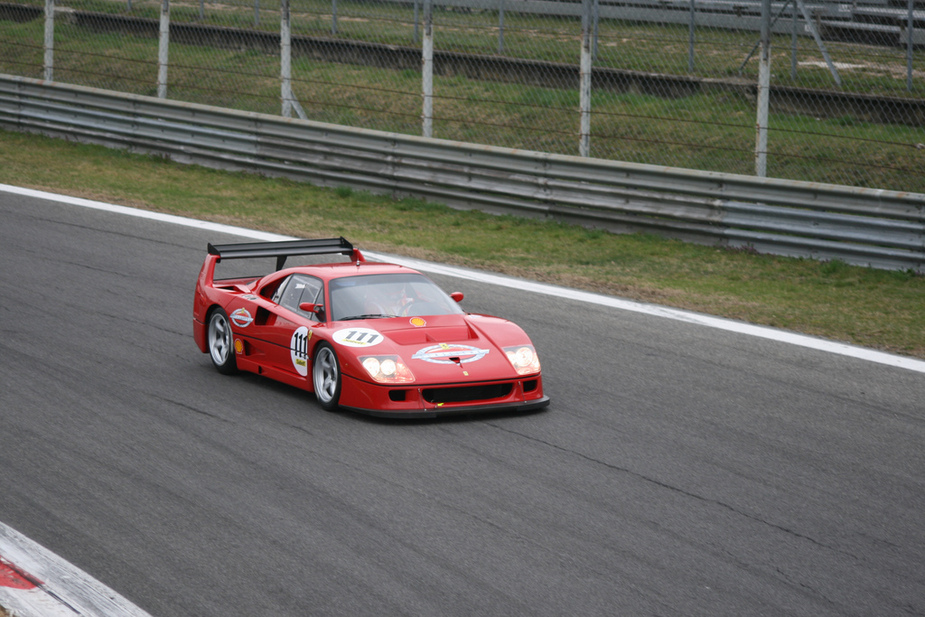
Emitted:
pixel 387 369
pixel 524 359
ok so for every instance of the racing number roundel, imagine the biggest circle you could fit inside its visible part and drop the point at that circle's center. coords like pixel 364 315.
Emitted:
pixel 358 337
pixel 298 349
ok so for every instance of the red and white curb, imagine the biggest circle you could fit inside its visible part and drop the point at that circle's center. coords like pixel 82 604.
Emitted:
pixel 34 582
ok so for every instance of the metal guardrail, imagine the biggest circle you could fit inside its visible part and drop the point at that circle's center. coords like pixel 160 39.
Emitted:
pixel 878 228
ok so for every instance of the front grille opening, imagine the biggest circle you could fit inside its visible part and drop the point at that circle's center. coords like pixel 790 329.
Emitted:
pixel 463 394
pixel 398 395
pixel 530 385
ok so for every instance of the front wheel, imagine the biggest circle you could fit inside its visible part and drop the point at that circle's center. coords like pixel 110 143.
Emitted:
pixel 326 377
pixel 221 347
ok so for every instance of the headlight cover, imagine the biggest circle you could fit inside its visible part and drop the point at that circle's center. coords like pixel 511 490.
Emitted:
pixel 387 369
pixel 523 358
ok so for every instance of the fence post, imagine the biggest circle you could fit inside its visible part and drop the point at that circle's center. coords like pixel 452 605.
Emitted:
pixel 427 72
pixel 285 59
pixel 584 82
pixel 501 27
pixel 690 38
pixel 163 48
pixel 764 83
pixel 793 43
pixel 596 20
pixel 333 17
pixel 49 40
pixel 910 33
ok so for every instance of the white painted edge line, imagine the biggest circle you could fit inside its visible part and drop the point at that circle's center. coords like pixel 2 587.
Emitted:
pixel 62 589
pixel 719 323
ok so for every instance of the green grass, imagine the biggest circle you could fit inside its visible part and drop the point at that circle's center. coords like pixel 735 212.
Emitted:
pixel 875 308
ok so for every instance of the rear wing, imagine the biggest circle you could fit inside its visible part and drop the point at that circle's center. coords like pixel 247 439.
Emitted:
pixel 286 248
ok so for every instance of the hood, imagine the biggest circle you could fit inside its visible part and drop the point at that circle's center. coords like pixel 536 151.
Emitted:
pixel 442 348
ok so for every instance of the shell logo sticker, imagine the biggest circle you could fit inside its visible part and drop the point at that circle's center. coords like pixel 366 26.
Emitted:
pixel 418 322
pixel 238 346
pixel 358 337
pixel 450 354
pixel 241 317
pixel 298 350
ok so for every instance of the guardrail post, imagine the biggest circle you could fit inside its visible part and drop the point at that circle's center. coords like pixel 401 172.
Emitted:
pixel 163 48
pixel 764 87
pixel 584 86
pixel 49 44
pixel 427 72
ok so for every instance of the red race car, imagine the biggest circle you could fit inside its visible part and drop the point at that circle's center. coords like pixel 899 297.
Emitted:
pixel 377 338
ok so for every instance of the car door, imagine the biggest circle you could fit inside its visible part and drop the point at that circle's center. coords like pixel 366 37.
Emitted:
pixel 285 327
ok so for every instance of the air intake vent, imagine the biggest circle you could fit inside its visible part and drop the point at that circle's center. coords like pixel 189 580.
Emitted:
pixel 467 393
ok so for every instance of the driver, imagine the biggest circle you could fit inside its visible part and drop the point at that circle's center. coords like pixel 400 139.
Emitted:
pixel 381 300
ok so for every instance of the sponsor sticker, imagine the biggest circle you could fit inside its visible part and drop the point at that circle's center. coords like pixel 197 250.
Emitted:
pixel 418 322
pixel 241 318
pixel 445 352
pixel 238 346
pixel 358 337
pixel 298 350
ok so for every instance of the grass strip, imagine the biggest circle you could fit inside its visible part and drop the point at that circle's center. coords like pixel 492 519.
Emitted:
pixel 874 308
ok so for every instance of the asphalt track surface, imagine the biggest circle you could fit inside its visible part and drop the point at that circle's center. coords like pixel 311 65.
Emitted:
pixel 680 470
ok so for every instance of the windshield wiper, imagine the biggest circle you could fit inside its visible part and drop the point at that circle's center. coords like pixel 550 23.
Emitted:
pixel 367 316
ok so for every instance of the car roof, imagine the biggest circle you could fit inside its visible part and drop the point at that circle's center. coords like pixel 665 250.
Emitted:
pixel 340 270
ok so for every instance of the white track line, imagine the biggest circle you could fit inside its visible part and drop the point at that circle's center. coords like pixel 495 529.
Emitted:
pixel 708 321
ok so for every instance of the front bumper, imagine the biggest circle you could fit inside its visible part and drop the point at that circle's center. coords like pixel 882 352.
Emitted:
pixel 455 410
pixel 429 401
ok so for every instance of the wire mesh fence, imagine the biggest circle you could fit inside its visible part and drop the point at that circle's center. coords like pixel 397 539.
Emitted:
pixel 668 82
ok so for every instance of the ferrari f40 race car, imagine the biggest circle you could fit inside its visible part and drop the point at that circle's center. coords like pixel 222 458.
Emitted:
pixel 377 338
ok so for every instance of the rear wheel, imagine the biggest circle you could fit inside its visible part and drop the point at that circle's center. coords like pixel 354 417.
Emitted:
pixel 326 377
pixel 221 347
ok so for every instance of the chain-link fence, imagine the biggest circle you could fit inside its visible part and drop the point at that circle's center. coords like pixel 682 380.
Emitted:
pixel 665 82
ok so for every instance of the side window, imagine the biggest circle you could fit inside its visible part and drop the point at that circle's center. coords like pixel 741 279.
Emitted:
pixel 280 289
pixel 297 289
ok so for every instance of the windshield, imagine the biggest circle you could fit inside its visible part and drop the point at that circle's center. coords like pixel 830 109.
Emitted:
pixel 388 295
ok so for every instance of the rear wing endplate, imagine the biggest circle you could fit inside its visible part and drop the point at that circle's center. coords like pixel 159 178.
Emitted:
pixel 286 248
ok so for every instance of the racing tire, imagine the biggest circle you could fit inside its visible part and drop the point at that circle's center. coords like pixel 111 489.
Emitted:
pixel 326 377
pixel 221 343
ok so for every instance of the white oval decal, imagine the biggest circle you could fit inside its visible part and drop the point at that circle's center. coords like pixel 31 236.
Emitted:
pixel 241 317
pixel 358 337
pixel 298 350
pixel 450 354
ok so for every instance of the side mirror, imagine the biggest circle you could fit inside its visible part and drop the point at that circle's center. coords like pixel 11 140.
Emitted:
pixel 315 309
pixel 457 295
